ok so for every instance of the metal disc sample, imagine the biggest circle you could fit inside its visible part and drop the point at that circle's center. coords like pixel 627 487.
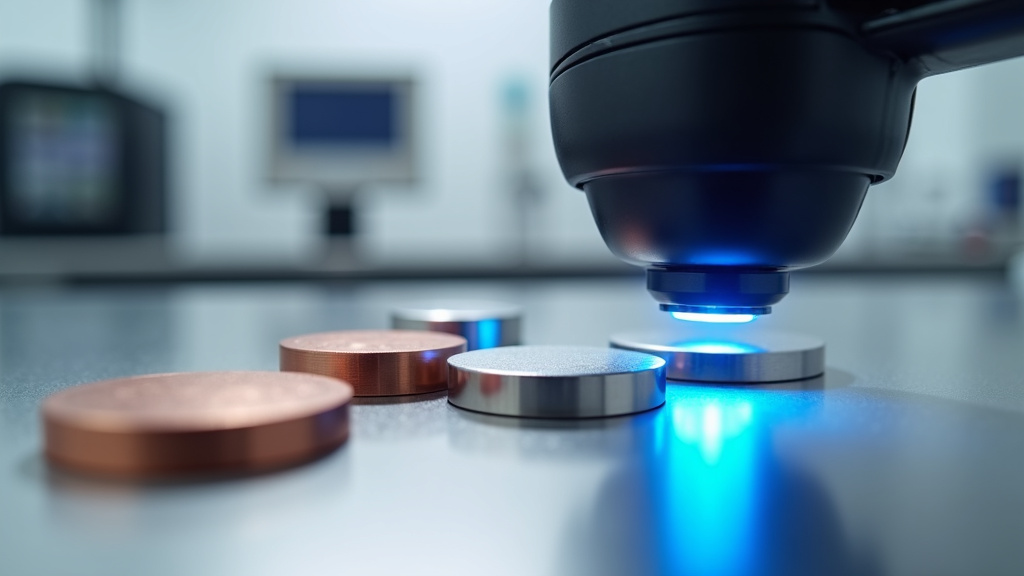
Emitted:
pixel 753 357
pixel 484 324
pixel 556 381
pixel 375 362
pixel 165 424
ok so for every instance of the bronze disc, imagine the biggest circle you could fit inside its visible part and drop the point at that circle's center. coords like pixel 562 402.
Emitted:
pixel 376 362
pixel 167 424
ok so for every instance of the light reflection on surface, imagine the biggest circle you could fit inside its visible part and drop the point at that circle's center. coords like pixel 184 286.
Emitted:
pixel 708 492
pixel 488 333
pixel 711 502
pixel 707 426
pixel 715 347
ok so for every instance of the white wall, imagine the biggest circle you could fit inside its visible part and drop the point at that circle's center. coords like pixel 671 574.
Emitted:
pixel 43 37
pixel 211 58
pixel 965 125
pixel 207 60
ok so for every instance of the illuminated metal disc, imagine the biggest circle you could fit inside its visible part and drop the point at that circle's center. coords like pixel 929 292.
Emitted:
pixel 375 362
pixel 165 424
pixel 484 324
pixel 556 381
pixel 748 357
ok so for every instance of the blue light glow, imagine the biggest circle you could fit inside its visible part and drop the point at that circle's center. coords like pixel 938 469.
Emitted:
pixel 716 318
pixel 715 347
pixel 708 427
pixel 488 334
pixel 715 480
pixel 711 503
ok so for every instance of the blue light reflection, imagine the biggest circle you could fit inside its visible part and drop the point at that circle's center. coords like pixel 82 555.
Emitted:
pixel 712 465
pixel 708 426
pixel 710 491
pixel 715 347
pixel 488 334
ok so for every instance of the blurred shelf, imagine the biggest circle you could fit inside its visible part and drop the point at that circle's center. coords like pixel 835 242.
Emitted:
pixel 151 260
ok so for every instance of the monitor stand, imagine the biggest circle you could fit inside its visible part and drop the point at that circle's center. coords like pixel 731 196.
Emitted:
pixel 340 219
pixel 340 229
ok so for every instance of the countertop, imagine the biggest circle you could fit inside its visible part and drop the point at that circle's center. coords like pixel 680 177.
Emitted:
pixel 907 457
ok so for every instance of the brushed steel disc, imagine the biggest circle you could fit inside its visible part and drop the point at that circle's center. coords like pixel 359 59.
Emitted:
pixel 749 357
pixel 556 381
pixel 483 323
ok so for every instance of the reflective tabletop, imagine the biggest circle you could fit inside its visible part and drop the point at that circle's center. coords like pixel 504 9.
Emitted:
pixel 905 457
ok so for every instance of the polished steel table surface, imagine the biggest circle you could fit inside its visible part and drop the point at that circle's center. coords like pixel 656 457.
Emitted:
pixel 907 457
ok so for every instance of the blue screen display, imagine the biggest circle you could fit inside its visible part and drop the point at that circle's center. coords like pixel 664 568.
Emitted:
pixel 325 115
pixel 63 158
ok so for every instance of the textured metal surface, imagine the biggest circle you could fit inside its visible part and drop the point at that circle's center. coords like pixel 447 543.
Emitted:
pixel 483 323
pixel 163 424
pixel 743 356
pixel 556 381
pixel 903 459
pixel 375 362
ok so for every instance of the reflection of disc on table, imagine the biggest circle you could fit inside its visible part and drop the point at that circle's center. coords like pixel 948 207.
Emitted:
pixel 375 362
pixel 164 424
pixel 753 357
pixel 556 381
pixel 483 323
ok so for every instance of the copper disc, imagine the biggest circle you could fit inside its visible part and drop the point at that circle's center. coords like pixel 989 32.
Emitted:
pixel 164 424
pixel 376 362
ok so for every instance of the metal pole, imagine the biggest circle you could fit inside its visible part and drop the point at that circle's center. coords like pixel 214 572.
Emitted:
pixel 105 33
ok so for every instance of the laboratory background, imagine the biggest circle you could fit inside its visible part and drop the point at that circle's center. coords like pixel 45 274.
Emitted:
pixel 183 184
pixel 485 193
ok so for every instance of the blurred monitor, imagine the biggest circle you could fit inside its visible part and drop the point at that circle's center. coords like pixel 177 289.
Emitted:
pixel 77 160
pixel 342 133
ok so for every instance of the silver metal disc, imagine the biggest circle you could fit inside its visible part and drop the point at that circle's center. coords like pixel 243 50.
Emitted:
pixel 556 381
pixel 484 324
pixel 753 357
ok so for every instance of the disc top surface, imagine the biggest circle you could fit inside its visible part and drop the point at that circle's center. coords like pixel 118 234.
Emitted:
pixel 169 424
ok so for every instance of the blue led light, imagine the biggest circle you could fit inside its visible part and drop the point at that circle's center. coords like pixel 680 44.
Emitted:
pixel 716 318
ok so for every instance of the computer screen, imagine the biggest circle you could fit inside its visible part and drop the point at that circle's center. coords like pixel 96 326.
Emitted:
pixel 62 159
pixel 342 132
pixel 324 115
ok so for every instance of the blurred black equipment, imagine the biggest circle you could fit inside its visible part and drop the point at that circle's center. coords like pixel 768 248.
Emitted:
pixel 722 143
pixel 80 161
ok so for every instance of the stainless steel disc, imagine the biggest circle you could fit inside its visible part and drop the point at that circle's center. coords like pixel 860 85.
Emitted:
pixel 484 324
pixel 750 357
pixel 556 381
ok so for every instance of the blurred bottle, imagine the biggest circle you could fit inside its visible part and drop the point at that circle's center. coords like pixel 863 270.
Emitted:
pixel 997 230
pixel 519 176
